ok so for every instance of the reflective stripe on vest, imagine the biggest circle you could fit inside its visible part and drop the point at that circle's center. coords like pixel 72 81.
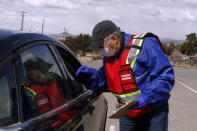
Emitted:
pixel 31 93
pixel 126 98
pixel 134 51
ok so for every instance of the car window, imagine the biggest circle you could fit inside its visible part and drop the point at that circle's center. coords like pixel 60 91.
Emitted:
pixel 43 87
pixel 72 65
pixel 8 107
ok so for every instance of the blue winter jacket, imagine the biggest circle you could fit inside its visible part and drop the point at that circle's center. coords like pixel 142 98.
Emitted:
pixel 153 72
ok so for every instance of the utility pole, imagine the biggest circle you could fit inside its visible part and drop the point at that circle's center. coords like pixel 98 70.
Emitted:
pixel 43 26
pixel 22 21
pixel 64 33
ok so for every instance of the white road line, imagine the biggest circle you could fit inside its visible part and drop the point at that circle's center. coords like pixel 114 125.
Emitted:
pixel 112 128
pixel 186 86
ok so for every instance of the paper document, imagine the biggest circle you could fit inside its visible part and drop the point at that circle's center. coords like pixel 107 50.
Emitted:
pixel 123 110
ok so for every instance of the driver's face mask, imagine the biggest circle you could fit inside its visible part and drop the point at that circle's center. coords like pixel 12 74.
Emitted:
pixel 105 51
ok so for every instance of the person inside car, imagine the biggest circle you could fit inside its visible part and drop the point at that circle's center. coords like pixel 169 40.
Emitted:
pixel 44 90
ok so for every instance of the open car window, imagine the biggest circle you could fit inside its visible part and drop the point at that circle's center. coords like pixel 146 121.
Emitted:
pixel 72 65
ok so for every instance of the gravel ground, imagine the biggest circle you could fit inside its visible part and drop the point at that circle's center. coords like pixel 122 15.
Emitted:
pixel 95 65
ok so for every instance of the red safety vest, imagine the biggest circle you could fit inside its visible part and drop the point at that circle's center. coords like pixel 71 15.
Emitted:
pixel 120 79
pixel 47 98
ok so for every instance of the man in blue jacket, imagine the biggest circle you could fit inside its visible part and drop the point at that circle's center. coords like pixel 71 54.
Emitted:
pixel 134 68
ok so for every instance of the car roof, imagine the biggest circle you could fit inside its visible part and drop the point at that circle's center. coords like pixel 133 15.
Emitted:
pixel 10 41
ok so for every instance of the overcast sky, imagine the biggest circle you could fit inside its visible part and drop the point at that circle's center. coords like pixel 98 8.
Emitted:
pixel 166 18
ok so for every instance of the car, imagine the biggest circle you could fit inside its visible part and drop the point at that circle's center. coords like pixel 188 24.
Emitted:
pixel 39 89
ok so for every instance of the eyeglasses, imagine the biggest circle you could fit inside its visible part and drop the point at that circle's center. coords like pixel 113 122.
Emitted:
pixel 105 39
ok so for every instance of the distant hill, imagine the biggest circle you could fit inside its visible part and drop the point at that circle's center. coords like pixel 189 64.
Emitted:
pixel 170 40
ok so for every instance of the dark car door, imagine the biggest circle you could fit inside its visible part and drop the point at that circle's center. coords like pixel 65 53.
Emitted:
pixel 50 97
pixel 95 105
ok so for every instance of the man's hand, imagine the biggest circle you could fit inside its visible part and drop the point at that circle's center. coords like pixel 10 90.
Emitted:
pixel 83 70
pixel 88 75
pixel 141 103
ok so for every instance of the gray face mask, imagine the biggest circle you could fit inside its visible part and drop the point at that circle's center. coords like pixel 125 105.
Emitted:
pixel 106 52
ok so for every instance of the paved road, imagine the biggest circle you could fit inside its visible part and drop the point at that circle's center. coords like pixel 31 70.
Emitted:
pixel 183 102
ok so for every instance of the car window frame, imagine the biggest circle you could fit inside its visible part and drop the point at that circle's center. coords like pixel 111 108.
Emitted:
pixel 11 60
